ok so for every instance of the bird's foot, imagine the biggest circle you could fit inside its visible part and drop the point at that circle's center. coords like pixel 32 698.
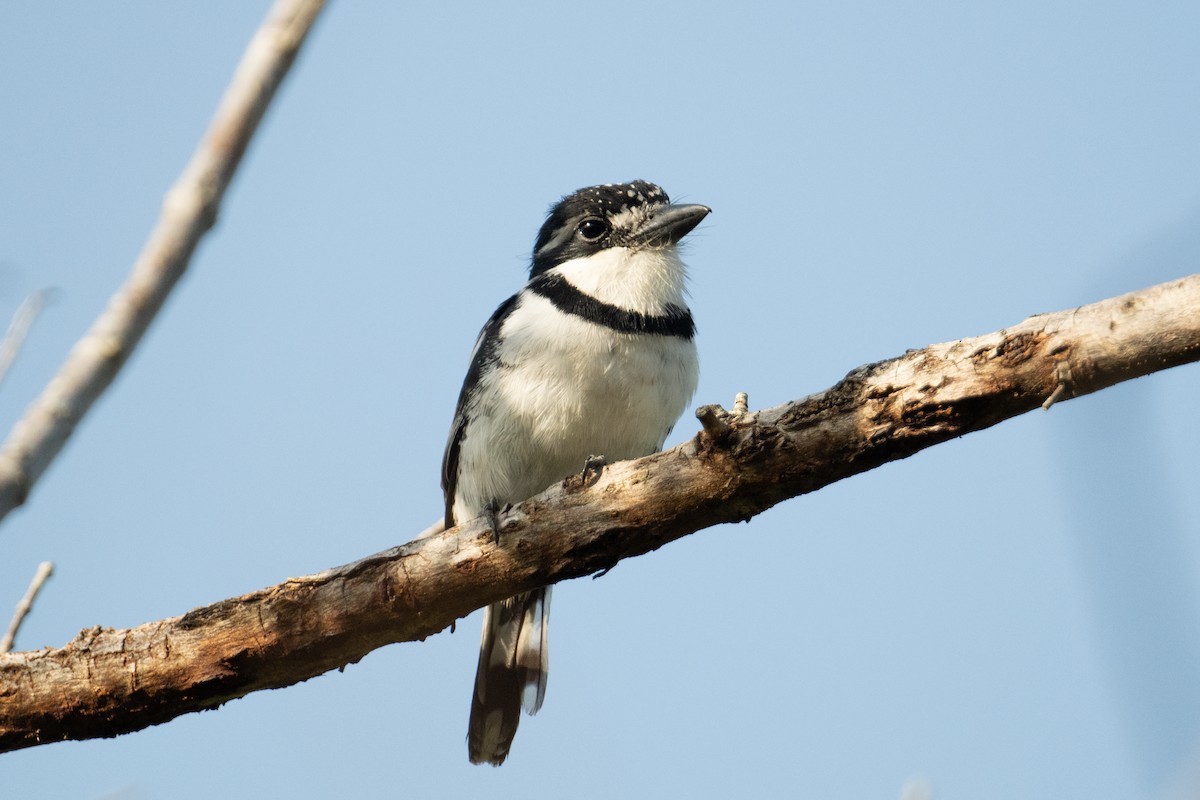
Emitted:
pixel 592 469
pixel 492 512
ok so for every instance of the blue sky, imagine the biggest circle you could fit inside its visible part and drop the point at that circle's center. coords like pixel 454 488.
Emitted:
pixel 1012 614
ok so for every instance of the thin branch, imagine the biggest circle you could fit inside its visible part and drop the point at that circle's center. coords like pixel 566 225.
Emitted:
pixel 19 327
pixel 107 682
pixel 189 211
pixel 44 571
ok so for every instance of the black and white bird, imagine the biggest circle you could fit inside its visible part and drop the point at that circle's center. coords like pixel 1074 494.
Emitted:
pixel 594 356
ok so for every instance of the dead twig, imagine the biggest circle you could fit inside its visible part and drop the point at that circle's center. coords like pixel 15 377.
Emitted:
pixel 18 328
pixel 188 212
pixel 44 571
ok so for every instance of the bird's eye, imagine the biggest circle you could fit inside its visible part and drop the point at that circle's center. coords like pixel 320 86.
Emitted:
pixel 593 228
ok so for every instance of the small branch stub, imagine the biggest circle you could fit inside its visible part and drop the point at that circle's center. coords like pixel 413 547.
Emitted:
pixel 741 404
pixel 1063 390
pixel 715 420
pixel 712 419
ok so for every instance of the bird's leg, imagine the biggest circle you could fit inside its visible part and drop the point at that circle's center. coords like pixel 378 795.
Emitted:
pixel 492 512
pixel 592 469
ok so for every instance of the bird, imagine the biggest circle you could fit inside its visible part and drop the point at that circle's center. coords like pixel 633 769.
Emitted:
pixel 593 358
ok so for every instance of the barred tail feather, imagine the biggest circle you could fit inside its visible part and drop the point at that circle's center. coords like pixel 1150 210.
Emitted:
pixel 512 672
pixel 533 651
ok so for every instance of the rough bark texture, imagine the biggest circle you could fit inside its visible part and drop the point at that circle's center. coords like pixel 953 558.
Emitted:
pixel 107 682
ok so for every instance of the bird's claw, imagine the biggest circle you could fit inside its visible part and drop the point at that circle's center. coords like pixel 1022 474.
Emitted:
pixel 592 469
pixel 492 512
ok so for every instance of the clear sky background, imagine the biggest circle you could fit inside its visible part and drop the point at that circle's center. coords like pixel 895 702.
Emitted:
pixel 1013 614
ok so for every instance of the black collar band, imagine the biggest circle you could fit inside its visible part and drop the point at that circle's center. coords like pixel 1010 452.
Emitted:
pixel 568 299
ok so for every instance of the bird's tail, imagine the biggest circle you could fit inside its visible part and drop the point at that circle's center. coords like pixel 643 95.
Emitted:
pixel 513 667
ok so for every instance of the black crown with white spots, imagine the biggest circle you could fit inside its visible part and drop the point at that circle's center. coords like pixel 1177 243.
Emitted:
pixel 601 202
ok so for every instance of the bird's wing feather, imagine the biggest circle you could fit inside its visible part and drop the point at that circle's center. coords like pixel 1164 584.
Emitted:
pixel 484 351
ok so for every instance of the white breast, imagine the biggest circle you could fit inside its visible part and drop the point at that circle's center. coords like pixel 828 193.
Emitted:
pixel 566 389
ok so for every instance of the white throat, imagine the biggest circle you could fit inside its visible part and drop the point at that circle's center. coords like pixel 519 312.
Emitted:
pixel 636 280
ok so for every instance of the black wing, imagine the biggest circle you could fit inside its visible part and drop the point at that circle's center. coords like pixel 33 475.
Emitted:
pixel 483 354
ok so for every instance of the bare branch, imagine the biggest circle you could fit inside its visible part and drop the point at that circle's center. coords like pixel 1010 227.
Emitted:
pixel 106 682
pixel 19 327
pixel 189 211
pixel 44 571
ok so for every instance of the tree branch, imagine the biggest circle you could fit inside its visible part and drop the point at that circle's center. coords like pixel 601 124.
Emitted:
pixel 107 682
pixel 44 571
pixel 189 211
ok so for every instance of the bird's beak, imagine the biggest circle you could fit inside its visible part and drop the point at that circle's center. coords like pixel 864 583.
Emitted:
pixel 669 224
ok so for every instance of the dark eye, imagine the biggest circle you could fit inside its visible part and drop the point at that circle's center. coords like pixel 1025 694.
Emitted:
pixel 592 228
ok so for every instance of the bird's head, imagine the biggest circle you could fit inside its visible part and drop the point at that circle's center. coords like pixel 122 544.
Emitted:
pixel 635 216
